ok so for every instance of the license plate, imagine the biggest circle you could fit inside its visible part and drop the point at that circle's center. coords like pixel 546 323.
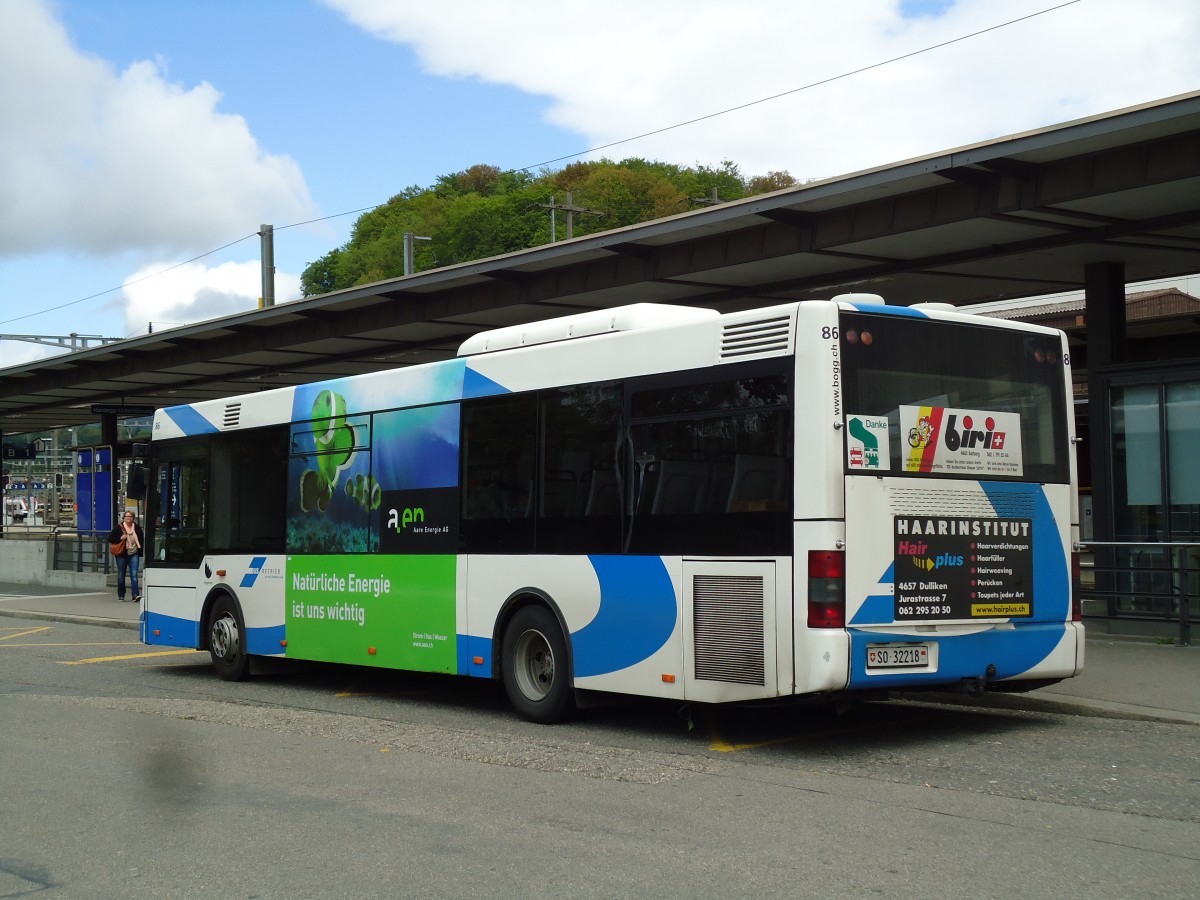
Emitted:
pixel 898 656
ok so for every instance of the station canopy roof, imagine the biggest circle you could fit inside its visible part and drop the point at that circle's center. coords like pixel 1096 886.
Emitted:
pixel 1015 217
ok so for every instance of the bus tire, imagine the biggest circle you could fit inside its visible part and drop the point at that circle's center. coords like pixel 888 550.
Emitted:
pixel 534 666
pixel 227 640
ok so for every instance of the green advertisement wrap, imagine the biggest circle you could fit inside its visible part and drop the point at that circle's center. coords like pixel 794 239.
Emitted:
pixel 371 610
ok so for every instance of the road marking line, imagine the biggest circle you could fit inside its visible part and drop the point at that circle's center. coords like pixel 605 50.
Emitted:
pixel 78 644
pixel 6 597
pixel 8 637
pixel 98 659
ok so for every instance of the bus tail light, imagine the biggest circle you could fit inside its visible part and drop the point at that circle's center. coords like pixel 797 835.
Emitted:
pixel 1076 583
pixel 826 589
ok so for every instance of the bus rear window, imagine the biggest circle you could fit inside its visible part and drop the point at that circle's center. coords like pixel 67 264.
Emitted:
pixel 951 399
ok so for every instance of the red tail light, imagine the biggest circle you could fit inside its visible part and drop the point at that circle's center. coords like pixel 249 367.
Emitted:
pixel 1076 585
pixel 826 589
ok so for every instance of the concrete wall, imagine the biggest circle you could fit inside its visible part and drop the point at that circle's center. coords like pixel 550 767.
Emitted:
pixel 30 561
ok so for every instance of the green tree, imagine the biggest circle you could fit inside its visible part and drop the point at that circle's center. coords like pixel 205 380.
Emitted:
pixel 484 211
pixel 772 181
pixel 477 227
pixel 320 276
pixel 624 195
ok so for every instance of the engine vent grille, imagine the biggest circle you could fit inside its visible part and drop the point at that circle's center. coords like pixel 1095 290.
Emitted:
pixel 925 501
pixel 233 415
pixel 759 337
pixel 728 628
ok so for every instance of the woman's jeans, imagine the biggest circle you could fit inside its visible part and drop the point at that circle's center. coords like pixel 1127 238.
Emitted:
pixel 125 562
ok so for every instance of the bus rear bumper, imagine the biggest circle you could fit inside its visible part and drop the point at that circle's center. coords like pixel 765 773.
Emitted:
pixel 950 657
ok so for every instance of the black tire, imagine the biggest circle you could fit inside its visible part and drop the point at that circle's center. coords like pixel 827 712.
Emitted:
pixel 534 666
pixel 227 640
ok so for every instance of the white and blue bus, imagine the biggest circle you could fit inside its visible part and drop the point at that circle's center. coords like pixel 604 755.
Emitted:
pixel 814 499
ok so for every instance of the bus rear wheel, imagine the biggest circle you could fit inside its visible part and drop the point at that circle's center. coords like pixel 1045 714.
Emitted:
pixel 534 666
pixel 227 640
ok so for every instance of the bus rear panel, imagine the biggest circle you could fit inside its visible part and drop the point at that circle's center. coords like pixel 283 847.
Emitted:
pixel 960 500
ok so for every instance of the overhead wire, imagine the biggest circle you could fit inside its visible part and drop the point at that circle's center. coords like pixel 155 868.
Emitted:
pixel 591 150
pixel 806 87
pixel 180 264
pixel 127 283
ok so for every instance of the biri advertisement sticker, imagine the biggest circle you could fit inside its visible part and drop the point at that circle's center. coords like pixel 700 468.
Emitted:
pixel 950 441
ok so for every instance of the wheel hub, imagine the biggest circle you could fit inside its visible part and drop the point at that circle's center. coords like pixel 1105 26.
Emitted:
pixel 535 675
pixel 224 637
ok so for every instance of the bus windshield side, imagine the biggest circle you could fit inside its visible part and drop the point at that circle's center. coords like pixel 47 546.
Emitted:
pixel 959 400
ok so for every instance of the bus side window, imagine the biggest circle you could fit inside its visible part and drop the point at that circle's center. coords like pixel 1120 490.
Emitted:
pixel 499 442
pixel 580 492
pixel 249 490
pixel 712 461
pixel 757 483
pixel 178 510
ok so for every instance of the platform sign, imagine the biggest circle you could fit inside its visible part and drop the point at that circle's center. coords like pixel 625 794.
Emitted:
pixel 121 409
pixel 94 489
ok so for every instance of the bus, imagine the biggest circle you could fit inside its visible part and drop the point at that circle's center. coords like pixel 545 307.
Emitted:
pixel 822 499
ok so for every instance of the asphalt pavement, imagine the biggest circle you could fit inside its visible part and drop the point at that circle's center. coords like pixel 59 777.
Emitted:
pixel 1123 677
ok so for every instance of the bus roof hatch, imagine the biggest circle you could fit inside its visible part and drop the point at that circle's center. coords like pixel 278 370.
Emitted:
pixel 599 321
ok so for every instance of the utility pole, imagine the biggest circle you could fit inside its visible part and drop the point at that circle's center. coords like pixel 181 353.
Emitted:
pixel 570 208
pixel 267 242
pixel 711 200
pixel 409 250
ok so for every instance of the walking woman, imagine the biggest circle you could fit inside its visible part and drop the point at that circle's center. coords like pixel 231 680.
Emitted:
pixel 130 532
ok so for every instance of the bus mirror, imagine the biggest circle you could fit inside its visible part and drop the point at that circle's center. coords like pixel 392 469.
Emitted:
pixel 141 451
pixel 137 483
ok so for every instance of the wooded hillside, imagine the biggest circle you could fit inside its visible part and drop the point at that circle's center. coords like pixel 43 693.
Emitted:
pixel 483 212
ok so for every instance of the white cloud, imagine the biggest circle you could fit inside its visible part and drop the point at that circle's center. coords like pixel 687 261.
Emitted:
pixel 165 295
pixel 619 68
pixel 194 292
pixel 100 162
pixel 17 353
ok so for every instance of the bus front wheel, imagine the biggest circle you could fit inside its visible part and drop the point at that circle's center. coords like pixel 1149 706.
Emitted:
pixel 534 666
pixel 227 640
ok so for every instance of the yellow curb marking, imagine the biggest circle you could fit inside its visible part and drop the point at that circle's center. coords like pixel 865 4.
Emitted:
pixel 98 659
pixel 23 633
pixel 718 745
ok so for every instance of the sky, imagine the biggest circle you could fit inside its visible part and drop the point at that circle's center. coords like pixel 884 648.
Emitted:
pixel 143 143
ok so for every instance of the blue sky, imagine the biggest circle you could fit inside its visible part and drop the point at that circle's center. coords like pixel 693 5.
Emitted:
pixel 136 135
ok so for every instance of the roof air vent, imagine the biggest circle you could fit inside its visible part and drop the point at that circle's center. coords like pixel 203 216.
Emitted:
pixel 756 337
pixel 233 415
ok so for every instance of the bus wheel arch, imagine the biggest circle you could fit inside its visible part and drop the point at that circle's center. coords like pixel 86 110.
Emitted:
pixel 534 659
pixel 225 636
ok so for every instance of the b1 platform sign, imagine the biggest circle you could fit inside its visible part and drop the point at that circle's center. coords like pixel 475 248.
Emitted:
pixel 94 489
pixel 19 451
